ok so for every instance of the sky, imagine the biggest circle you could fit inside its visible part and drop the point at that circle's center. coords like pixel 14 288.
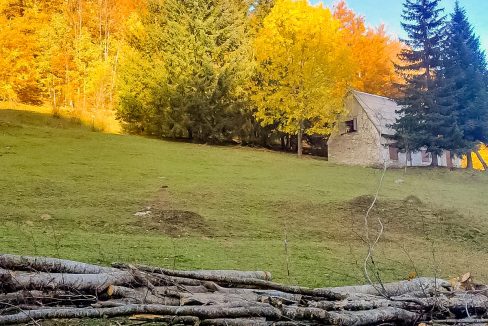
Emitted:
pixel 389 12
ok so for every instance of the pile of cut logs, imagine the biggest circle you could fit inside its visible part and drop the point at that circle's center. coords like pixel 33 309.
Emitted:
pixel 33 289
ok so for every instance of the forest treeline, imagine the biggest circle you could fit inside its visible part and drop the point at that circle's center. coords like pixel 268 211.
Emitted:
pixel 247 71
pixel 202 70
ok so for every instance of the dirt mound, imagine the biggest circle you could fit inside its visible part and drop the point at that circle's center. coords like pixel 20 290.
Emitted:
pixel 412 200
pixel 177 223
pixel 410 204
pixel 411 216
pixel 160 217
pixel 362 200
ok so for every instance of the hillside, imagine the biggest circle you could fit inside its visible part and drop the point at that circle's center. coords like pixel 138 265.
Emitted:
pixel 70 192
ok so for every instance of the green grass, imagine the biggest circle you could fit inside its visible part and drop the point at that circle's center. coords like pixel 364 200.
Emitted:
pixel 69 192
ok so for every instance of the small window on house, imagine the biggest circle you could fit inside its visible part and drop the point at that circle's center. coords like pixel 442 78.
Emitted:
pixel 393 152
pixel 351 125
pixel 425 156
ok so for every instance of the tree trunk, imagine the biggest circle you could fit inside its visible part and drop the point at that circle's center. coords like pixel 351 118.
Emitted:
pixel 114 78
pixel 469 158
pixel 407 151
pixel 435 160
pixel 300 140
pixel 478 155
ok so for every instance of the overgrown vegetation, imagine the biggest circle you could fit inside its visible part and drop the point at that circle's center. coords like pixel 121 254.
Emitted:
pixel 69 192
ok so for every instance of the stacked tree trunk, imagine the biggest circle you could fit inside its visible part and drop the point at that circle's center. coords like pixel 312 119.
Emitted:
pixel 33 289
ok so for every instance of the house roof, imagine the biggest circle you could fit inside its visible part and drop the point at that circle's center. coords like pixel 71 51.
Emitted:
pixel 380 110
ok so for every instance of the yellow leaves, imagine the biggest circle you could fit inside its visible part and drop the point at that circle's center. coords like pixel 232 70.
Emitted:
pixel 304 67
pixel 412 275
pixel 308 57
pixel 135 27
pixel 483 150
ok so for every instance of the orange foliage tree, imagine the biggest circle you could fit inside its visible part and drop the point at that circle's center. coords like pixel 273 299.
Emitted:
pixel 19 21
pixel 373 50
pixel 62 52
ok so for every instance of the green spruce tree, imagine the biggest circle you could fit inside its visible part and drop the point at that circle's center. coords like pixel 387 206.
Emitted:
pixel 463 88
pixel 143 78
pixel 419 125
pixel 202 49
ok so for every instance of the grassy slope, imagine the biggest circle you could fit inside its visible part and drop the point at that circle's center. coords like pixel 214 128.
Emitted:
pixel 90 184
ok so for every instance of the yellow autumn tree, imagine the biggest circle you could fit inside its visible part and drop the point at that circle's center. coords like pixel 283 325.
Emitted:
pixel 19 21
pixel 373 51
pixel 304 68
pixel 477 163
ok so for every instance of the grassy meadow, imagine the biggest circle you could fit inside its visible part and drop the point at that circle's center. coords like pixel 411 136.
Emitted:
pixel 69 192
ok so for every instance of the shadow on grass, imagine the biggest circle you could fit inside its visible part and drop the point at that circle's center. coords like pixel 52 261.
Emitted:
pixel 11 118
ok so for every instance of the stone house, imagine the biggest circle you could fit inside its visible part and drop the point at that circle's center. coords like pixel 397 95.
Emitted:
pixel 362 137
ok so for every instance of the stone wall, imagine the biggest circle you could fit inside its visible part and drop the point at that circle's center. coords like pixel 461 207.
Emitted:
pixel 361 147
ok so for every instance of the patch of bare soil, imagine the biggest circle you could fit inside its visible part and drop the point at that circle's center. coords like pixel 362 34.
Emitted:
pixel 161 216
pixel 178 223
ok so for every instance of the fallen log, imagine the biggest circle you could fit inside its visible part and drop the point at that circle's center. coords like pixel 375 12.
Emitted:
pixel 41 297
pixel 375 317
pixel 259 283
pixel 262 293
pixel 461 322
pixel 236 322
pixel 182 283
pixel 207 275
pixel 363 304
pixel 423 284
pixel 93 283
pixel 49 265
pixel 217 298
pixel 205 312
pixel 167 320
pixel 142 296
pixel 262 284
pixel 4 275
pixel 462 304
pixel 357 318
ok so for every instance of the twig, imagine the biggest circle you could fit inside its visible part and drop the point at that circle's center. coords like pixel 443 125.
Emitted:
pixel 286 253
pixel 22 311
pixel 371 246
